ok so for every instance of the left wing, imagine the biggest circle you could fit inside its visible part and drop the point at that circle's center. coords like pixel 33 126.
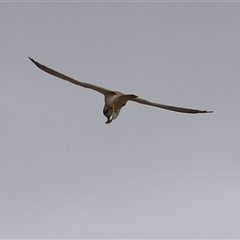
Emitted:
pixel 102 90
pixel 167 107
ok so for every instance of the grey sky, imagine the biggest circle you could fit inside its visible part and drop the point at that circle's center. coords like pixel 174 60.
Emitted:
pixel 150 174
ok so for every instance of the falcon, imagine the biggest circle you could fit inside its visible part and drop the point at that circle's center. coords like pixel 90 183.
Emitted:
pixel 114 100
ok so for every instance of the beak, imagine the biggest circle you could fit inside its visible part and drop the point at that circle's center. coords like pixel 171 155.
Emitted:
pixel 108 121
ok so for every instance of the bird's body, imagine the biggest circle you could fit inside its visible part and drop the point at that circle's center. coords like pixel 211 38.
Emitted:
pixel 114 100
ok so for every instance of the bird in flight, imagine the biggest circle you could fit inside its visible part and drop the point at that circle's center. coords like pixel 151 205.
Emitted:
pixel 114 100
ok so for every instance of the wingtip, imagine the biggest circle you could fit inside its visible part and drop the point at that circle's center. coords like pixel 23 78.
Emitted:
pixel 31 59
pixel 209 111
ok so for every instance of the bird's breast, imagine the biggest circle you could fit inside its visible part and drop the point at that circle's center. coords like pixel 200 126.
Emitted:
pixel 110 98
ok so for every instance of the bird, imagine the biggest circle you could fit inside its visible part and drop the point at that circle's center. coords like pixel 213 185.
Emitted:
pixel 115 100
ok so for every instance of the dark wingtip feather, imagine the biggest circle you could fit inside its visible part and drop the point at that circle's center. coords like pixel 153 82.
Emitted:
pixel 31 59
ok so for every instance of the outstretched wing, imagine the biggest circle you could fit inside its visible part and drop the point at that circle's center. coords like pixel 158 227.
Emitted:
pixel 167 107
pixel 69 79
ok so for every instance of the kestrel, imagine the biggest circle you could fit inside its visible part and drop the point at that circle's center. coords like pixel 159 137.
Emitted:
pixel 114 100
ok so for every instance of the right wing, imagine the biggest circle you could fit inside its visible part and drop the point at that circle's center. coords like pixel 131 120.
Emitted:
pixel 104 91
pixel 167 107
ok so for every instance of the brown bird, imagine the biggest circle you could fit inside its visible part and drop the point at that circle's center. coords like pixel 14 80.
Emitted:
pixel 114 100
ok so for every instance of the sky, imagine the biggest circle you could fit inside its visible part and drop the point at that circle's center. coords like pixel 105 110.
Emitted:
pixel 151 173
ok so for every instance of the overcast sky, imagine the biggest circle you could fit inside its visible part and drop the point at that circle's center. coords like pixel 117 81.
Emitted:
pixel 152 173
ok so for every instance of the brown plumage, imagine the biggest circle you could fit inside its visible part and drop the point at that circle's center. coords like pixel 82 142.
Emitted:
pixel 114 100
